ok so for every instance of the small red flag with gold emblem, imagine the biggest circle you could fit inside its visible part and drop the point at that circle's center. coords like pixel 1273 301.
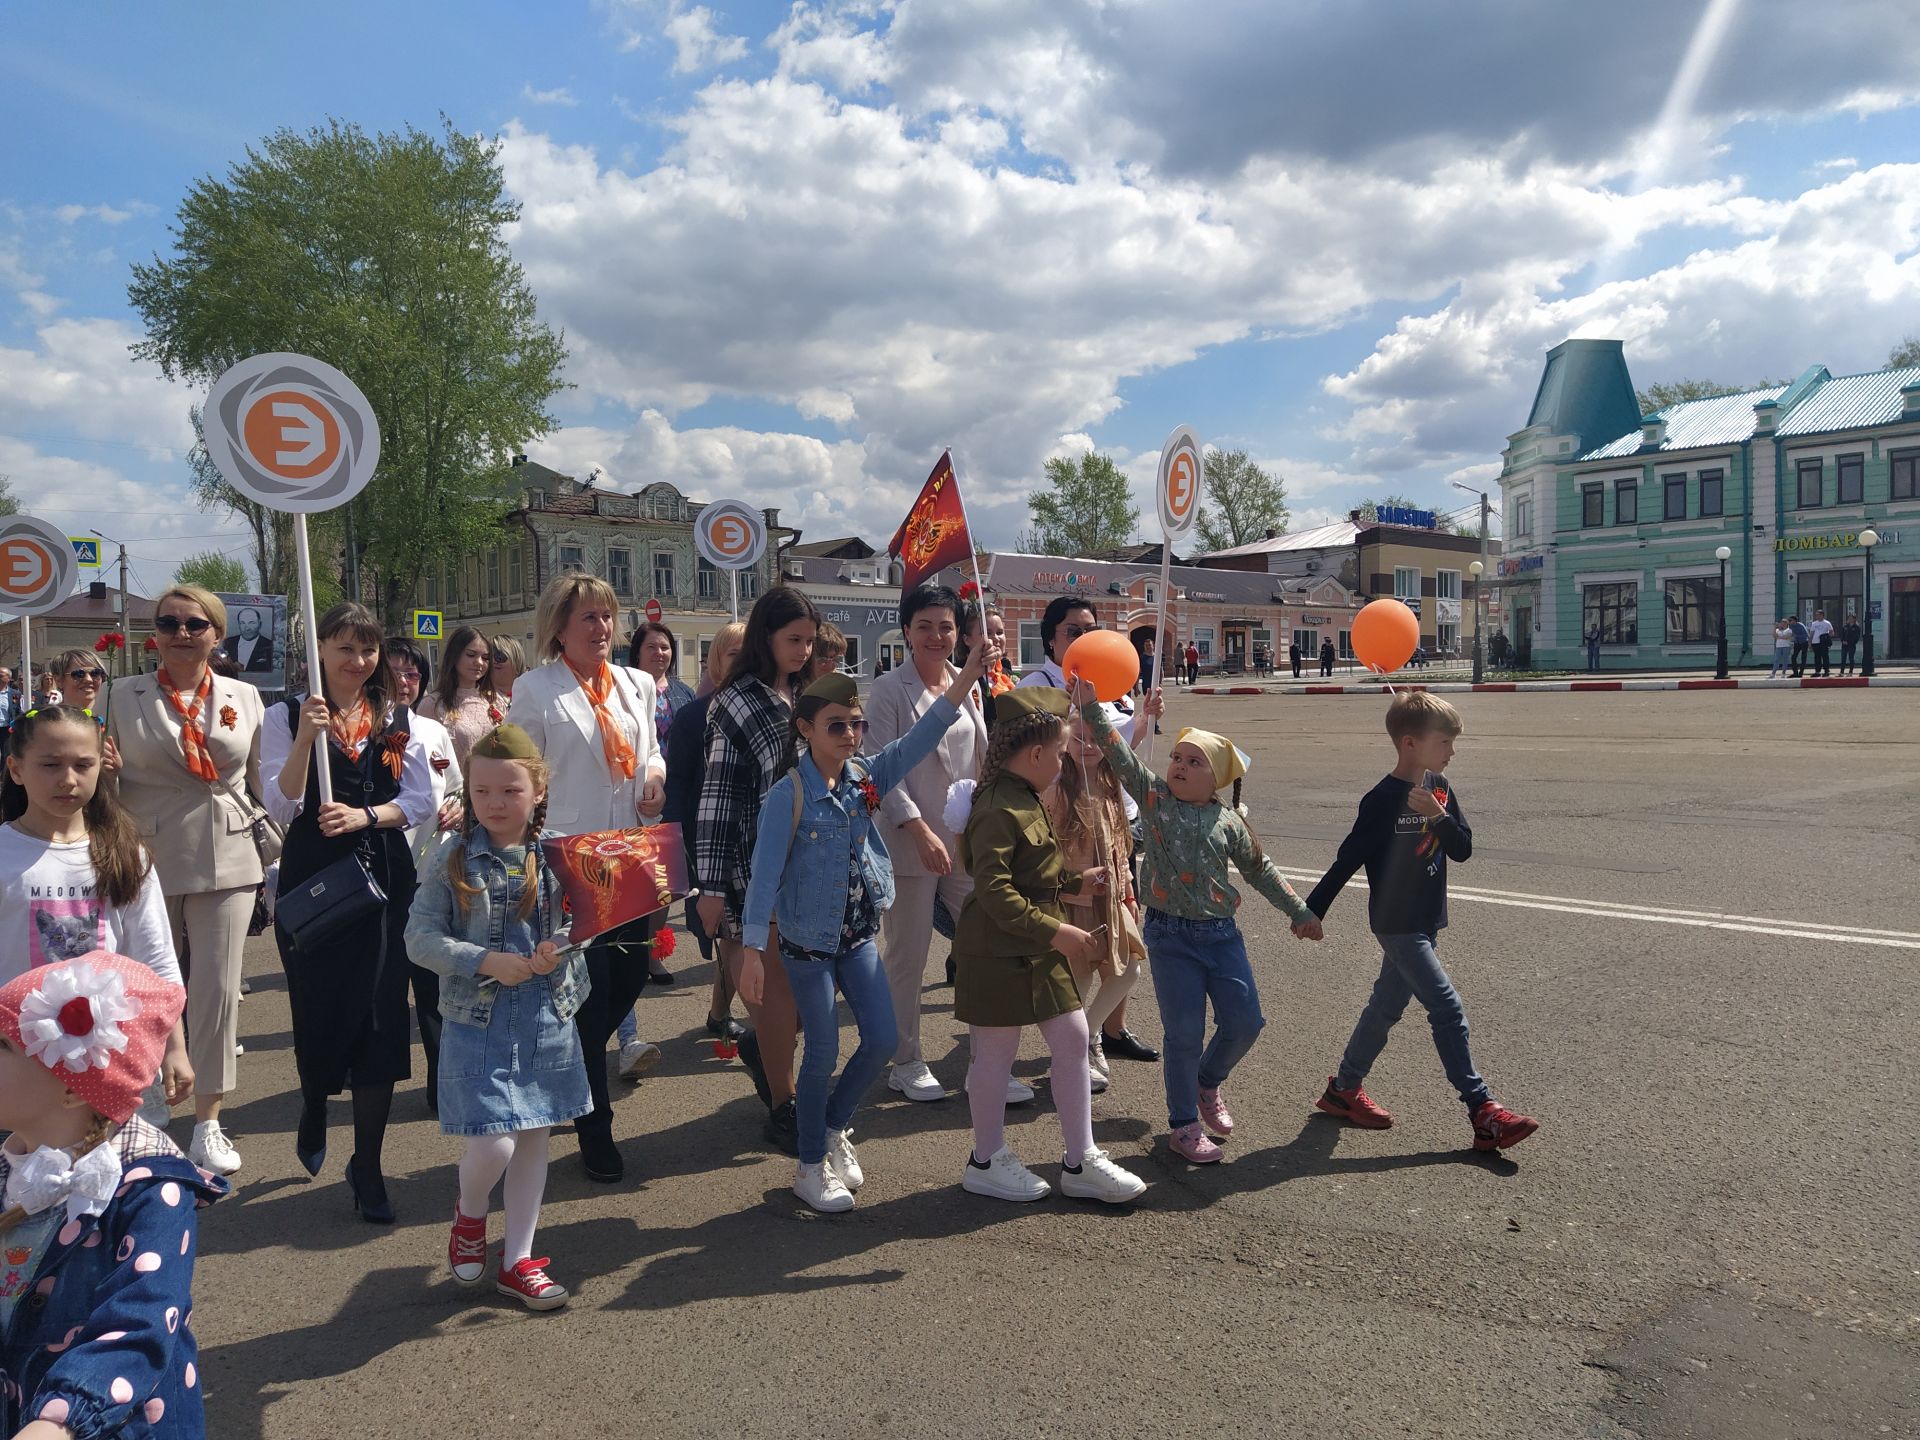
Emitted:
pixel 934 534
pixel 613 876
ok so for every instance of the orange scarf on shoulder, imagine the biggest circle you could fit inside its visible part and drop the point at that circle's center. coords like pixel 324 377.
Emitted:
pixel 621 761
pixel 193 726
pixel 350 728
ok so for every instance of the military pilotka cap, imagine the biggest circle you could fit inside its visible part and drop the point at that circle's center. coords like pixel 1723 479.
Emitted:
pixel 506 742
pixel 835 689
pixel 1024 700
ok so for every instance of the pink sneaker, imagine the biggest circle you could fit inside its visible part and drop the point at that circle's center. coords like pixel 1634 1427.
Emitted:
pixel 1190 1143
pixel 1213 1113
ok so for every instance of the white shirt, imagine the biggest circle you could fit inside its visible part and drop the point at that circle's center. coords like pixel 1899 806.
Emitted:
pixel 444 770
pixel 415 799
pixel 51 910
pixel 1819 630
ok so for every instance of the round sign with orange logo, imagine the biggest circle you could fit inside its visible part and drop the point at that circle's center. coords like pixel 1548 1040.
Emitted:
pixel 1178 490
pixel 37 566
pixel 292 433
pixel 730 534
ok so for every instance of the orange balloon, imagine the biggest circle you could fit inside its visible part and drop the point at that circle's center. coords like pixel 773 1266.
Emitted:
pixel 1385 633
pixel 1106 660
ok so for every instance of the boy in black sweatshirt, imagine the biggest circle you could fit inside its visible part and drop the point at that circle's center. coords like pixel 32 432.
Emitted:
pixel 1409 826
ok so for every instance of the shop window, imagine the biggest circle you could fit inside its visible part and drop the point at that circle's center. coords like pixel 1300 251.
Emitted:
pixel 1835 591
pixel 1906 476
pixel 1613 610
pixel 1626 502
pixel 1712 493
pixel 1593 504
pixel 1693 610
pixel 1852 472
pixel 1346 645
pixel 1809 472
pixel 1203 641
pixel 1675 508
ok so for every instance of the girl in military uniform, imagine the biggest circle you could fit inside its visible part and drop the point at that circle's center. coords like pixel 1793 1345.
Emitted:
pixel 1012 947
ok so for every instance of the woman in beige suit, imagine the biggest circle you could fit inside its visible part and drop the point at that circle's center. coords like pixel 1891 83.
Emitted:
pixel 911 822
pixel 189 745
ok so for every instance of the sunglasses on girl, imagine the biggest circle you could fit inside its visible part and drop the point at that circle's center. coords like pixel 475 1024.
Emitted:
pixel 96 676
pixel 172 624
pixel 840 729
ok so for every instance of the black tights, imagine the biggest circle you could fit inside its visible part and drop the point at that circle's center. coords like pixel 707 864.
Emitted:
pixel 371 1104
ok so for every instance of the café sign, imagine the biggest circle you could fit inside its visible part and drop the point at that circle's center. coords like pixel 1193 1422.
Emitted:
pixel 1837 540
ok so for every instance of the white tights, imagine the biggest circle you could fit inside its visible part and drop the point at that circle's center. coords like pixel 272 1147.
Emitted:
pixel 1107 995
pixel 994 1047
pixel 522 1158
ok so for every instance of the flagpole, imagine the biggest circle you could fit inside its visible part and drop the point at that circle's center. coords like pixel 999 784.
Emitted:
pixel 316 682
pixel 733 579
pixel 973 550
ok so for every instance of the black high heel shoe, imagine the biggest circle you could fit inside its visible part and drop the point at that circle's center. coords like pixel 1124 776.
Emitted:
pixel 310 1140
pixel 374 1209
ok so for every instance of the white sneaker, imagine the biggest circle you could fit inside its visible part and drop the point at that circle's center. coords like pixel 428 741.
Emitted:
pixel 211 1150
pixel 1004 1178
pixel 821 1188
pixel 915 1081
pixel 1018 1091
pixel 1096 1054
pixel 1096 1081
pixel 842 1161
pixel 238 1048
pixel 637 1057
pixel 1098 1178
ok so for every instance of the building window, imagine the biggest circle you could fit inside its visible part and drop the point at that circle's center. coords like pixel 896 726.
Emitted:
pixel 1906 476
pixel 1446 585
pixel 1309 643
pixel 572 557
pixel 1676 498
pixel 1613 610
pixel 1712 493
pixel 1406 582
pixel 1203 642
pixel 1809 484
pixel 1447 638
pixel 516 569
pixel 1346 645
pixel 453 583
pixel 1593 504
pixel 1853 474
pixel 1693 610
pixel 1032 652
pixel 1152 593
pixel 663 572
pixel 1835 591
pixel 620 570
pixel 709 579
pixel 493 573
pixel 1523 518
pixel 749 585
pixel 1626 502
pixel 852 662
pixel 430 587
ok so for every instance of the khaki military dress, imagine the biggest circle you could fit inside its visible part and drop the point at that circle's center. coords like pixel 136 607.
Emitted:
pixel 1006 971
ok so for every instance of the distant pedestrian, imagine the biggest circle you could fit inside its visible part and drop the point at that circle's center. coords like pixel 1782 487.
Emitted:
pixel 1821 634
pixel 1593 648
pixel 1193 663
pixel 1800 639
pixel 1326 659
pixel 1782 648
pixel 1294 655
pixel 1849 643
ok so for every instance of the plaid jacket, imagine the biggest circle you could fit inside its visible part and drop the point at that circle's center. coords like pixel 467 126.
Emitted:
pixel 747 729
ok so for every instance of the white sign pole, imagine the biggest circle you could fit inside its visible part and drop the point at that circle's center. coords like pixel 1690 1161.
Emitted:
pixel 316 682
pixel 733 580
pixel 26 658
pixel 730 535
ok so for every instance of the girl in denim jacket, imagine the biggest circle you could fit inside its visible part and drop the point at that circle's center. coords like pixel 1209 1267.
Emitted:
pixel 511 1067
pixel 820 869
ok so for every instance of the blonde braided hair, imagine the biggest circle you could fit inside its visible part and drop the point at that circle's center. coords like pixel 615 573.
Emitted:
pixel 97 1134
pixel 1010 737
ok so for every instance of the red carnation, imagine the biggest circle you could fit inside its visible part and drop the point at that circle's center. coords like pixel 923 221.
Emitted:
pixel 870 795
pixel 969 591
pixel 663 943
pixel 101 644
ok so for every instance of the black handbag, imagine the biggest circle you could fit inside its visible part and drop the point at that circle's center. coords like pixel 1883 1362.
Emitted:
pixel 319 907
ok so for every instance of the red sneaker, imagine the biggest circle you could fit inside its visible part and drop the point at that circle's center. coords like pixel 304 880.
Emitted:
pixel 1353 1106
pixel 528 1282
pixel 1497 1128
pixel 467 1248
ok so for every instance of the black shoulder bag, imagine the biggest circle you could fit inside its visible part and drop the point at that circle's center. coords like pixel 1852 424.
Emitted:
pixel 341 895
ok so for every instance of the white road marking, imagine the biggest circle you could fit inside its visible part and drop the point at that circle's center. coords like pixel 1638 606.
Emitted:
pixel 1657 915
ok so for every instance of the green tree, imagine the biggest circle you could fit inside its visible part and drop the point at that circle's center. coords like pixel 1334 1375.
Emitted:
pixel 1086 508
pixel 211 570
pixel 8 505
pixel 1247 502
pixel 1905 355
pixel 1369 512
pixel 386 256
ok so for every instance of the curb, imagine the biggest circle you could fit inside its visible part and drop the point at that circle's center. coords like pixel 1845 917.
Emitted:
pixel 1509 687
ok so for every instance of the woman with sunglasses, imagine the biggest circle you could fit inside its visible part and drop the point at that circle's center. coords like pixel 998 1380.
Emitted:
pixel 188 744
pixel 80 678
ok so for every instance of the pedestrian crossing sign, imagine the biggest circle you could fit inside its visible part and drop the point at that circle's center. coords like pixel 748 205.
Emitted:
pixel 426 624
pixel 86 550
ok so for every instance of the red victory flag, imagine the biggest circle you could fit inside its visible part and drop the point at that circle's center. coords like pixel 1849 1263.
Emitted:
pixel 613 876
pixel 934 534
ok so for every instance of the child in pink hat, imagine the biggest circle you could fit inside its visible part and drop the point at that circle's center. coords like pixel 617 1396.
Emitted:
pixel 98 1222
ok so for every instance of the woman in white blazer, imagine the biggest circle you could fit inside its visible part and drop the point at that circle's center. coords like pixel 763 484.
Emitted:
pixel 593 720
pixel 194 805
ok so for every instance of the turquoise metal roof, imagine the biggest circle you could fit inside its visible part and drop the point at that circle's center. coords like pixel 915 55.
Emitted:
pixel 1850 402
pixel 1585 391
pixel 1696 424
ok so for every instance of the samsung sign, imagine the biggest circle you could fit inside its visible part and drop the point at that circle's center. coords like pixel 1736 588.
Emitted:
pixel 1400 515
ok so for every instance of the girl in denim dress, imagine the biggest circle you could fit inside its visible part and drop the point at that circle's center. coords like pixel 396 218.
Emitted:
pixel 820 870
pixel 487 921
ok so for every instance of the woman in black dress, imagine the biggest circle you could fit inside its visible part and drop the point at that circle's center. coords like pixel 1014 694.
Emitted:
pixel 348 997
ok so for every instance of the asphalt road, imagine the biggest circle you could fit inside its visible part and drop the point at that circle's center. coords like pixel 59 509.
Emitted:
pixel 1712 1234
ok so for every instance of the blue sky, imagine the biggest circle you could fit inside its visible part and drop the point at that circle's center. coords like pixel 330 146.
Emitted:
pixel 795 249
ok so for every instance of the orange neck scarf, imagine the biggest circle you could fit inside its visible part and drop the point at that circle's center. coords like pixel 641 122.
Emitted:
pixel 350 728
pixel 613 742
pixel 193 731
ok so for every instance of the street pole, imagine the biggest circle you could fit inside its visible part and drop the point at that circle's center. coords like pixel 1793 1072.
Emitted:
pixel 1723 554
pixel 121 658
pixel 1480 570
pixel 1868 539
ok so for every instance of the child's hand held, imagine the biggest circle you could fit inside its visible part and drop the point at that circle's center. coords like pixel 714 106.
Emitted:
pixel 1080 692
pixel 1309 929
pixel 546 958
pixel 509 969
pixel 1424 802
pixel 1071 941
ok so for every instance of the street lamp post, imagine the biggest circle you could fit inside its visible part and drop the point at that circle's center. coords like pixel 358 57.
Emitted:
pixel 1476 569
pixel 1868 539
pixel 1723 554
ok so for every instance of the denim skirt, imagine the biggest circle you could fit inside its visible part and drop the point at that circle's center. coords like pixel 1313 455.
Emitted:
pixel 522 1070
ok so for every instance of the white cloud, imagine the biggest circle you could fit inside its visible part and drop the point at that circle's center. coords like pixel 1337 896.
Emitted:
pixel 698 44
pixel 106 214
pixel 1839 162
pixel 559 95
pixel 79 381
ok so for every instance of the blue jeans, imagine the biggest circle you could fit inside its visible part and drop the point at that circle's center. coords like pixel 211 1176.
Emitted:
pixel 1195 961
pixel 1411 968
pixel 862 980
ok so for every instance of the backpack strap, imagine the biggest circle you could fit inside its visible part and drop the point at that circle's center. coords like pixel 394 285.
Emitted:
pixel 793 774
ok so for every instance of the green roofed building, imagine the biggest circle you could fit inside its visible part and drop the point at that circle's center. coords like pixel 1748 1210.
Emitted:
pixel 1612 518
